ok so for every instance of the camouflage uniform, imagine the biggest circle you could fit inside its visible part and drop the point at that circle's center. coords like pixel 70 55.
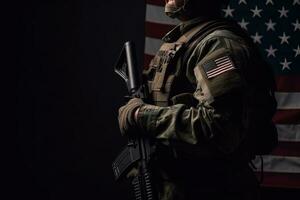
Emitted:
pixel 198 125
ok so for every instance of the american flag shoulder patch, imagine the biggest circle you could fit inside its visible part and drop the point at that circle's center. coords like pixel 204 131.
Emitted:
pixel 218 66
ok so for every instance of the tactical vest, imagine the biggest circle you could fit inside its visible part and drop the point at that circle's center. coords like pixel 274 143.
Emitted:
pixel 165 76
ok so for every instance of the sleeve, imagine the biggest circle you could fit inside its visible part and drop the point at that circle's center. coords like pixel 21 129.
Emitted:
pixel 217 117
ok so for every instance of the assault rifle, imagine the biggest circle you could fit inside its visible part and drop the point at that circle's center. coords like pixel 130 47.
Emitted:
pixel 138 151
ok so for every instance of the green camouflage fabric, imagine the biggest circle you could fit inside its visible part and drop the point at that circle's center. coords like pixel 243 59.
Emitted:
pixel 210 130
pixel 210 119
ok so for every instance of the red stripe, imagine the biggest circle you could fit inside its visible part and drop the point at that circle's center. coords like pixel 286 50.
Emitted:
pixel 280 180
pixel 147 59
pixel 156 2
pixel 156 30
pixel 287 149
pixel 291 116
pixel 221 68
pixel 288 83
pixel 221 71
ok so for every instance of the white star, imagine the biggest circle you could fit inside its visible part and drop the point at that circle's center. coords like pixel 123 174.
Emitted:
pixel 284 38
pixel 257 38
pixel 228 11
pixel 270 25
pixel 256 12
pixel 271 51
pixel 285 64
pixel 243 24
pixel 297 51
pixel 297 25
pixel 283 12
pixel 270 1
pixel 243 1
pixel 296 2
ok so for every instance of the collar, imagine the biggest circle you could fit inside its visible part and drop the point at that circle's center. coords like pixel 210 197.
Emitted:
pixel 182 28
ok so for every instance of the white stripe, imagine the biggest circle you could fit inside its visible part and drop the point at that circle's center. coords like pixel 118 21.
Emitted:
pixel 224 59
pixel 157 14
pixel 221 58
pixel 288 100
pixel 219 69
pixel 152 45
pixel 279 164
pixel 220 66
pixel 218 73
pixel 288 133
pixel 223 62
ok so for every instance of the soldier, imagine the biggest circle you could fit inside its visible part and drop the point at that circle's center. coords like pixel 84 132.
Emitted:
pixel 211 107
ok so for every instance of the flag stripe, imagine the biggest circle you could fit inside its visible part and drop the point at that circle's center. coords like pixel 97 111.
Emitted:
pixel 152 45
pixel 224 62
pixel 288 100
pixel 156 14
pixel 147 60
pixel 287 116
pixel 220 65
pixel 280 180
pixel 156 30
pixel 289 83
pixel 211 72
pixel 156 2
pixel 288 133
pixel 279 164
pixel 220 71
pixel 222 59
pixel 287 149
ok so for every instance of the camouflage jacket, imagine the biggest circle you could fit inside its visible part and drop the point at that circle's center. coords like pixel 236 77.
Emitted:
pixel 210 123
pixel 214 71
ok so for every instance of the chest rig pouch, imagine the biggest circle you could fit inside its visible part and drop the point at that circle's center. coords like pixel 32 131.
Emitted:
pixel 162 72
pixel 165 75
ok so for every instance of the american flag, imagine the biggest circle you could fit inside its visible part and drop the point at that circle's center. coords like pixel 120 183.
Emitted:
pixel 274 26
pixel 218 66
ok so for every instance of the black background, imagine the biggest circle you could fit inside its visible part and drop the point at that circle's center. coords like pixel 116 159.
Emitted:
pixel 68 96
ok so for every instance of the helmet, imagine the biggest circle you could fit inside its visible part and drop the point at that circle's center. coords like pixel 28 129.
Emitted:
pixel 191 8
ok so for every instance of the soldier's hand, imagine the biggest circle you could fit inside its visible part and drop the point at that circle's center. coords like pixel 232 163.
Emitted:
pixel 127 116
